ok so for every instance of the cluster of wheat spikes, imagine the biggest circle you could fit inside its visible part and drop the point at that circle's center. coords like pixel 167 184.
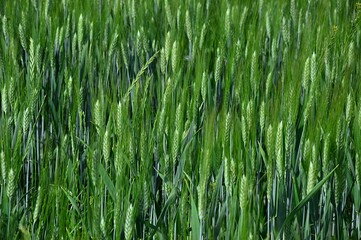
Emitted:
pixel 162 119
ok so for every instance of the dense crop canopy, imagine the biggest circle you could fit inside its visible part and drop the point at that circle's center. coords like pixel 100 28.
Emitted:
pixel 162 119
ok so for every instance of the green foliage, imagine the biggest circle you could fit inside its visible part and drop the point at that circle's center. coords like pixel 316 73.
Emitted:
pixel 180 119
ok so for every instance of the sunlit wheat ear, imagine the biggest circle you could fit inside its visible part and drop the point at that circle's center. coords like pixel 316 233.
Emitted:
pixel 113 45
pixel 81 101
pixel 293 111
pixel 175 56
pixel 268 84
pixel 4 100
pixel 129 221
pixel 351 53
pixel 120 120
pixel 91 33
pixel 34 99
pixel 166 98
pixel 270 176
pixel 106 146
pixel 98 118
pixel 24 19
pixel 315 159
pixel 286 30
pixel 37 205
pixel 57 40
pixel 349 109
pixel 179 117
pixel 268 25
pixel 70 87
pixel 167 46
pixel 38 63
pixel 103 227
pixel 92 167
pixel 308 108
pixel 199 13
pixel 163 61
pixel 201 200
pixel 243 193
pixel 262 115
pixel 307 150
pixel 325 156
pixel 218 68
pixel 203 35
pixel 168 12
pixel 118 160
pixel 244 130
pixel 227 24
pixel 125 55
pixel 339 137
pixel 340 178
pixel 167 175
pixel 306 75
pixel 188 26
pixel 139 43
pixel 5 29
pixel 3 165
pixel 131 150
pixel 194 50
pixel 179 12
pixel 339 184
pixel 26 120
pixel 233 172
pixel 274 49
pixel 67 28
pixel 280 165
pixel 11 92
pixel 204 86
pixel 11 184
pixel 175 146
pixel 80 32
pixel 32 61
pixel 299 27
pixel 250 115
pixel 313 68
pixel 22 37
pixel 171 230
pixel 183 206
pixel 254 69
pixel 117 213
pixel 311 177
pixel 146 197
pixel 270 142
pixel 243 17
pixel 161 122
pixel 293 12
pixel 226 175
pixel 133 12
pixel 74 44
pixel 358 169
pixel 143 146
pixel 289 138
pixel 228 124
pixel 238 52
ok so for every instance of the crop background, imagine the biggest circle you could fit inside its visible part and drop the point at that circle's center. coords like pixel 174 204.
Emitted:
pixel 169 119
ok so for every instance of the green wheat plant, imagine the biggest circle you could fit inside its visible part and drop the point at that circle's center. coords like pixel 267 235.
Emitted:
pixel 180 119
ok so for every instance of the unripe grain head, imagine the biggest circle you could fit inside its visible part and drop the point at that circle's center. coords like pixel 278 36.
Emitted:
pixel 11 184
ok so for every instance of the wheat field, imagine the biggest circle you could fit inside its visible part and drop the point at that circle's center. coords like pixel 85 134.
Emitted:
pixel 170 119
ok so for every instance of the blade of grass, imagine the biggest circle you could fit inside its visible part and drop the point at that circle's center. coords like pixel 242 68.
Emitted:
pixel 303 202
